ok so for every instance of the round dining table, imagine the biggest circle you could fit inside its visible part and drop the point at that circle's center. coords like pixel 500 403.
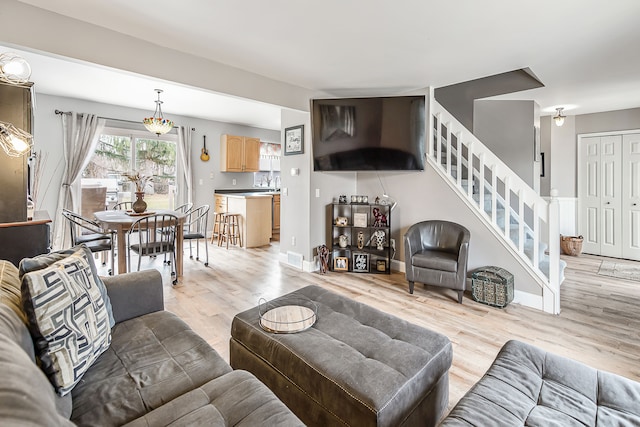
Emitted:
pixel 120 221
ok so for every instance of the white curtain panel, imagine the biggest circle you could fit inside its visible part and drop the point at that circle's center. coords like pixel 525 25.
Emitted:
pixel 80 135
pixel 184 159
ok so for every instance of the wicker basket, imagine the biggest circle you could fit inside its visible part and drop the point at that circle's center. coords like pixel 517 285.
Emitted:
pixel 571 245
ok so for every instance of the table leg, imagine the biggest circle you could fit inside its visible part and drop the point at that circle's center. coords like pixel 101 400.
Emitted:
pixel 179 246
pixel 121 237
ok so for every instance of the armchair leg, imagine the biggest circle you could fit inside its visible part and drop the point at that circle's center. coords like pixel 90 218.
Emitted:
pixel 460 294
pixel 411 287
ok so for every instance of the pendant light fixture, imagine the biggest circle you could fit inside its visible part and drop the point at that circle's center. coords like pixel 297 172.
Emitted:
pixel 158 124
pixel 14 69
pixel 15 142
pixel 559 118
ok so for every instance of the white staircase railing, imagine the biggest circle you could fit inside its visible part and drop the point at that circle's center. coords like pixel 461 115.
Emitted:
pixel 529 223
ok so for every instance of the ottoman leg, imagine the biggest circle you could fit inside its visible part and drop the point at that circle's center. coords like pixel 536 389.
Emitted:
pixel 460 294
pixel 411 283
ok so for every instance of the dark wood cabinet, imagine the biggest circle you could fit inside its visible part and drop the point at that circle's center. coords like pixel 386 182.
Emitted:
pixel 25 239
pixel 15 108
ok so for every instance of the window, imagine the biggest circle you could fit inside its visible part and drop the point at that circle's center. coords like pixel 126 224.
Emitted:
pixel 119 151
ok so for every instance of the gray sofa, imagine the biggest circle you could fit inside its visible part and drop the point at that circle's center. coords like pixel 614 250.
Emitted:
pixel 156 370
pixel 527 386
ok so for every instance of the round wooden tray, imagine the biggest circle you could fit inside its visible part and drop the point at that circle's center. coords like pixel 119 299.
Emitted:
pixel 287 316
pixel 140 214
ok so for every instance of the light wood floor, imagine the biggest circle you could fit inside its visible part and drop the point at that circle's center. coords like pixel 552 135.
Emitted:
pixel 599 323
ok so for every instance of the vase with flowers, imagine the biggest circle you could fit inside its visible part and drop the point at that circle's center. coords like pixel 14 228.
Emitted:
pixel 140 181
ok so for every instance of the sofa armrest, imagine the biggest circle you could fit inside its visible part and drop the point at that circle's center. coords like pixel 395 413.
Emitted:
pixel 134 294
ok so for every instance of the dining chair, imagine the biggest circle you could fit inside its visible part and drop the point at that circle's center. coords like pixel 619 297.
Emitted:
pixel 123 206
pixel 185 208
pixel 195 228
pixel 149 241
pixel 89 232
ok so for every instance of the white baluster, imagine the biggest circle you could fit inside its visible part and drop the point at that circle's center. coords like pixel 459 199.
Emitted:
pixel 459 159
pixel 536 235
pixel 448 153
pixel 470 171
pixel 481 181
pixel 494 194
pixel 551 300
pixel 507 207
pixel 521 221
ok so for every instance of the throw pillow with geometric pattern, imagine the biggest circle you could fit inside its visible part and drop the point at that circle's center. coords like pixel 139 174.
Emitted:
pixel 67 319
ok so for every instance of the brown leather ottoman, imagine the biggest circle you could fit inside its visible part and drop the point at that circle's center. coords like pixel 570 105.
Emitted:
pixel 356 365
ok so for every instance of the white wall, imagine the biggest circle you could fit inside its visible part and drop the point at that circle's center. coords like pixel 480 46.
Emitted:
pixel 48 140
pixel 507 129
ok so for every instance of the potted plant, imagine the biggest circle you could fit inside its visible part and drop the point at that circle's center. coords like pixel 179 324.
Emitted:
pixel 140 182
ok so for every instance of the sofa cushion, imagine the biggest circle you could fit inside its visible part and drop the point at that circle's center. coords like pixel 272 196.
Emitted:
pixel 152 360
pixel 10 288
pixel 26 396
pixel 527 386
pixel 234 399
pixel 435 260
pixel 67 319
pixel 28 265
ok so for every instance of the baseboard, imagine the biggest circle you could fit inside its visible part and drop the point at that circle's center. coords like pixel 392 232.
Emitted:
pixel 528 300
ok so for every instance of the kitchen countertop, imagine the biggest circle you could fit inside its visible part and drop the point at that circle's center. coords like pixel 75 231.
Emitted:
pixel 249 192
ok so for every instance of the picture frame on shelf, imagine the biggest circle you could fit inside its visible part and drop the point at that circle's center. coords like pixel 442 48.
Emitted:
pixel 341 263
pixel 360 219
pixel 294 140
pixel 360 262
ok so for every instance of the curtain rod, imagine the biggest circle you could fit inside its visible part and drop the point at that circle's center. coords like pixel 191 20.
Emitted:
pixel 60 112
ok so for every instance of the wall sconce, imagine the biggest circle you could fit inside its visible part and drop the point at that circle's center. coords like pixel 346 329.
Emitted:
pixel 559 118
pixel 14 69
pixel 15 142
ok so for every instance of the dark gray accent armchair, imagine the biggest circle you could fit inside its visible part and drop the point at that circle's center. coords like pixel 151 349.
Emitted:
pixel 436 253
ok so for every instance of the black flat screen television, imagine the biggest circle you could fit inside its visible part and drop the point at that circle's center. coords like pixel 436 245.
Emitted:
pixel 375 134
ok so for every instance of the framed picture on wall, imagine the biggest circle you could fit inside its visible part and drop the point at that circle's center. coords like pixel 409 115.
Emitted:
pixel 341 263
pixel 360 262
pixel 294 140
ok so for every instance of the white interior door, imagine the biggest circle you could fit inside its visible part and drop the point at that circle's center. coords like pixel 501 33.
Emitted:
pixel 611 190
pixel 631 196
pixel 589 194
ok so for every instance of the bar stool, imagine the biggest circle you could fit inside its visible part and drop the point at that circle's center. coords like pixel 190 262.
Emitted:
pixel 218 218
pixel 230 230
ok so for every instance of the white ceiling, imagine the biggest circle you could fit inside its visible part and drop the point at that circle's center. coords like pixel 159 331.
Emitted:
pixel 584 51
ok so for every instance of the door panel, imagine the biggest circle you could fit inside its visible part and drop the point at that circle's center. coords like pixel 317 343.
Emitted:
pixel 589 194
pixel 631 196
pixel 611 195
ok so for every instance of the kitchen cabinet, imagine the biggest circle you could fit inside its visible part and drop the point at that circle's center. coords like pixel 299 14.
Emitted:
pixel 15 108
pixel 276 212
pixel 219 203
pixel 239 153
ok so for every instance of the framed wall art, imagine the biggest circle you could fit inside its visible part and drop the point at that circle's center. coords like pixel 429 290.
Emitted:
pixel 294 140
pixel 359 219
pixel 341 263
pixel 360 262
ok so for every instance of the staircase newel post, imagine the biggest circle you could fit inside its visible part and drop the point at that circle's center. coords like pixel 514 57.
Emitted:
pixel 552 301
pixel 431 133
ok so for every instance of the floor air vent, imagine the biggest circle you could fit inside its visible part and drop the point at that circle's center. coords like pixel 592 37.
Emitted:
pixel 294 259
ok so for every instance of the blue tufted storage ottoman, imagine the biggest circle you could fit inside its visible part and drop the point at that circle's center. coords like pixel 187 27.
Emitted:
pixel 355 366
